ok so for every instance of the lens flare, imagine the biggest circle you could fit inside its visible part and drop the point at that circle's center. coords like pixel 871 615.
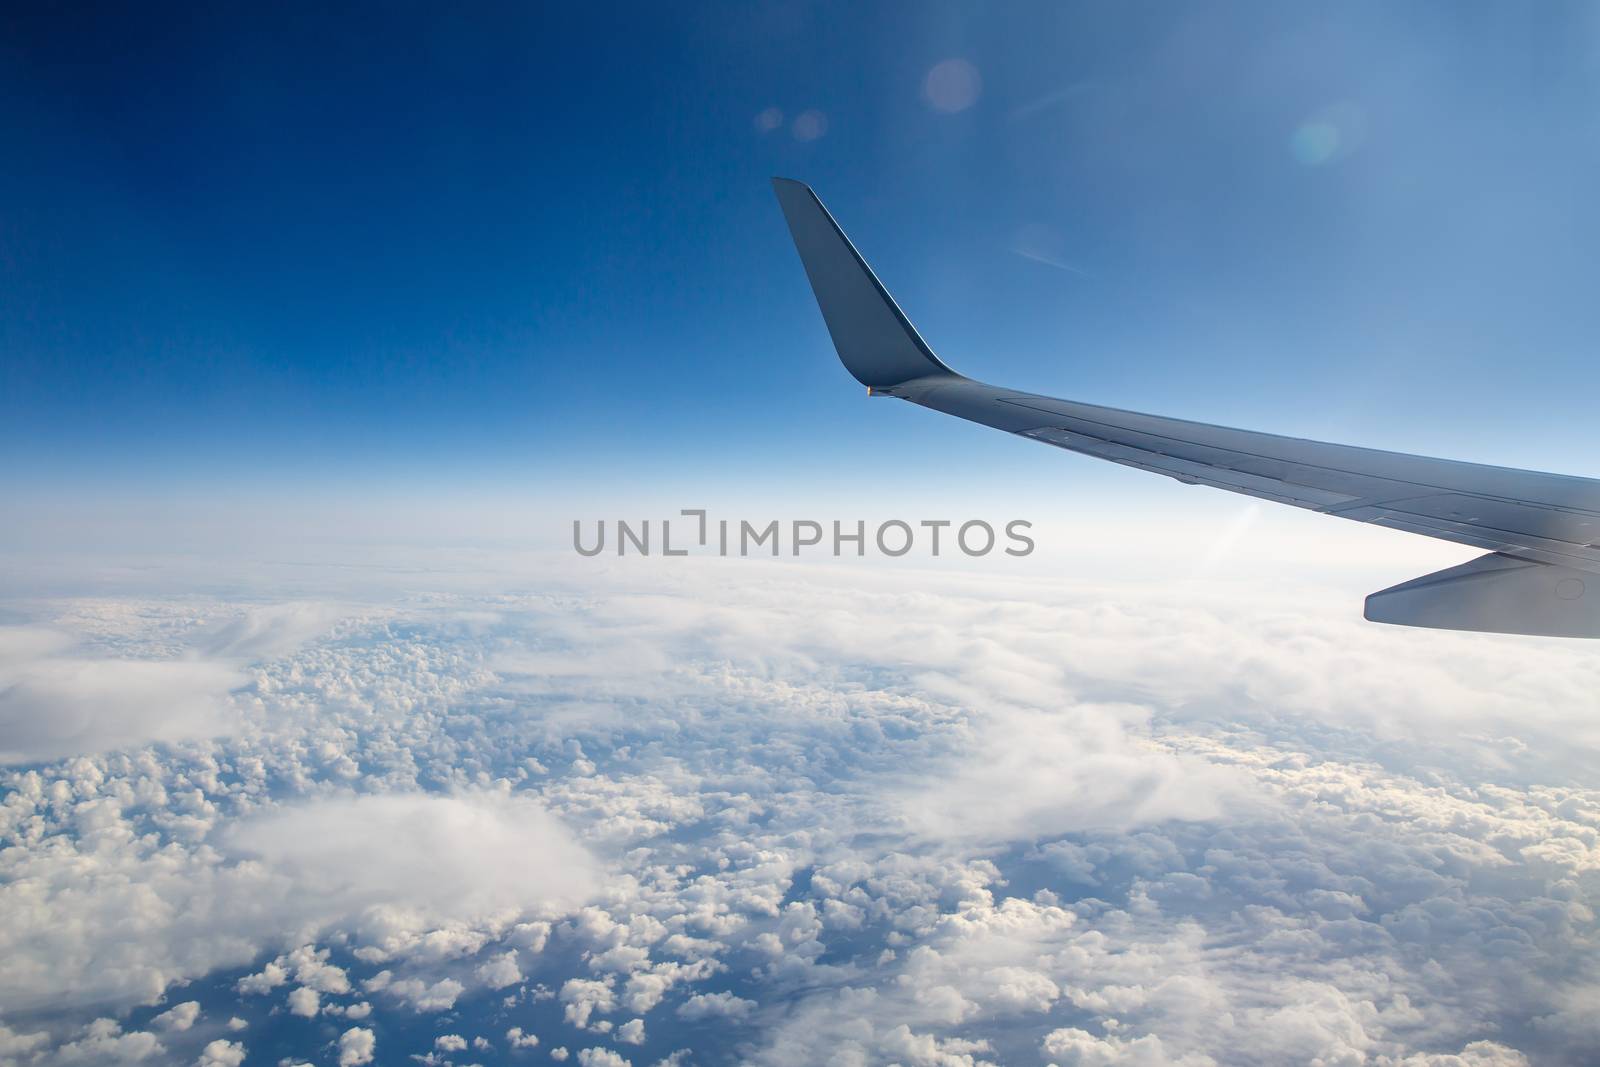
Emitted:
pixel 952 85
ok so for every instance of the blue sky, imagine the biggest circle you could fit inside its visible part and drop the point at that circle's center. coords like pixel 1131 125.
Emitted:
pixel 534 247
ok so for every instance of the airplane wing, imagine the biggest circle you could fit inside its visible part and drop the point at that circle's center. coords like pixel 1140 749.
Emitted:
pixel 1542 531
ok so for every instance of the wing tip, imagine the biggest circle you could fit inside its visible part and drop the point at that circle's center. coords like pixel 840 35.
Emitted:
pixel 874 339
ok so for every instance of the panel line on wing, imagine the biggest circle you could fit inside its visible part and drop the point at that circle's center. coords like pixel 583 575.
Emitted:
pixel 1316 477
pixel 1386 510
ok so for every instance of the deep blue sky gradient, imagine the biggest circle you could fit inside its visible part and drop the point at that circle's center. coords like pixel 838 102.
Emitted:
pixel 399 243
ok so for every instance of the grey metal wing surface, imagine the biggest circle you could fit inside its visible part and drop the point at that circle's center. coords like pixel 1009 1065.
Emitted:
pixel 1542 531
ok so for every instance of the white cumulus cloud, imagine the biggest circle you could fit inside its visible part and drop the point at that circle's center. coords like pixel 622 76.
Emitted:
pixel 356 1046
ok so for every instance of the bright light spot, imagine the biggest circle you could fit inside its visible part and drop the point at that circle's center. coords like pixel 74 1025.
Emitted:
pixel 1329 135
pixel 1315 143
pixel 952 85
pixel 810 125
pixel 1226 540
pixel 769 120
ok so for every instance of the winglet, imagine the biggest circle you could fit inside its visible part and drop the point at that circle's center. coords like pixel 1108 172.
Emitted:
pixel 874 339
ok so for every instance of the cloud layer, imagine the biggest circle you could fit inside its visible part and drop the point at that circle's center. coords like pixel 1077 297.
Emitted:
pixel 784 817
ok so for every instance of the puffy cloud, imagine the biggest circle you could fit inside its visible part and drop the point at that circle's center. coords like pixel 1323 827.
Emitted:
pixel 722 1005
pixel 115 914
pixel 56 700
pixel 427 996
pixel 500 970
pixel 602 1057
pixel 267 979
pixel 311 969
pixel 645 989
pixel 304 1002
pixel 518 1039
pixel 1071 1047
pixel 458 855
pixel 450 1043
pixel 179 1016
pixel 56 703
pixel 104 1041
pixel 357 1046
pixel 1028 773
pixel 15 1045
pixel 1477 1054
pixel 220 1053
pixel 582 998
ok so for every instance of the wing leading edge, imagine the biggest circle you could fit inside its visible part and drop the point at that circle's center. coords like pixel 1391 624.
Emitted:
pixel 1542 531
